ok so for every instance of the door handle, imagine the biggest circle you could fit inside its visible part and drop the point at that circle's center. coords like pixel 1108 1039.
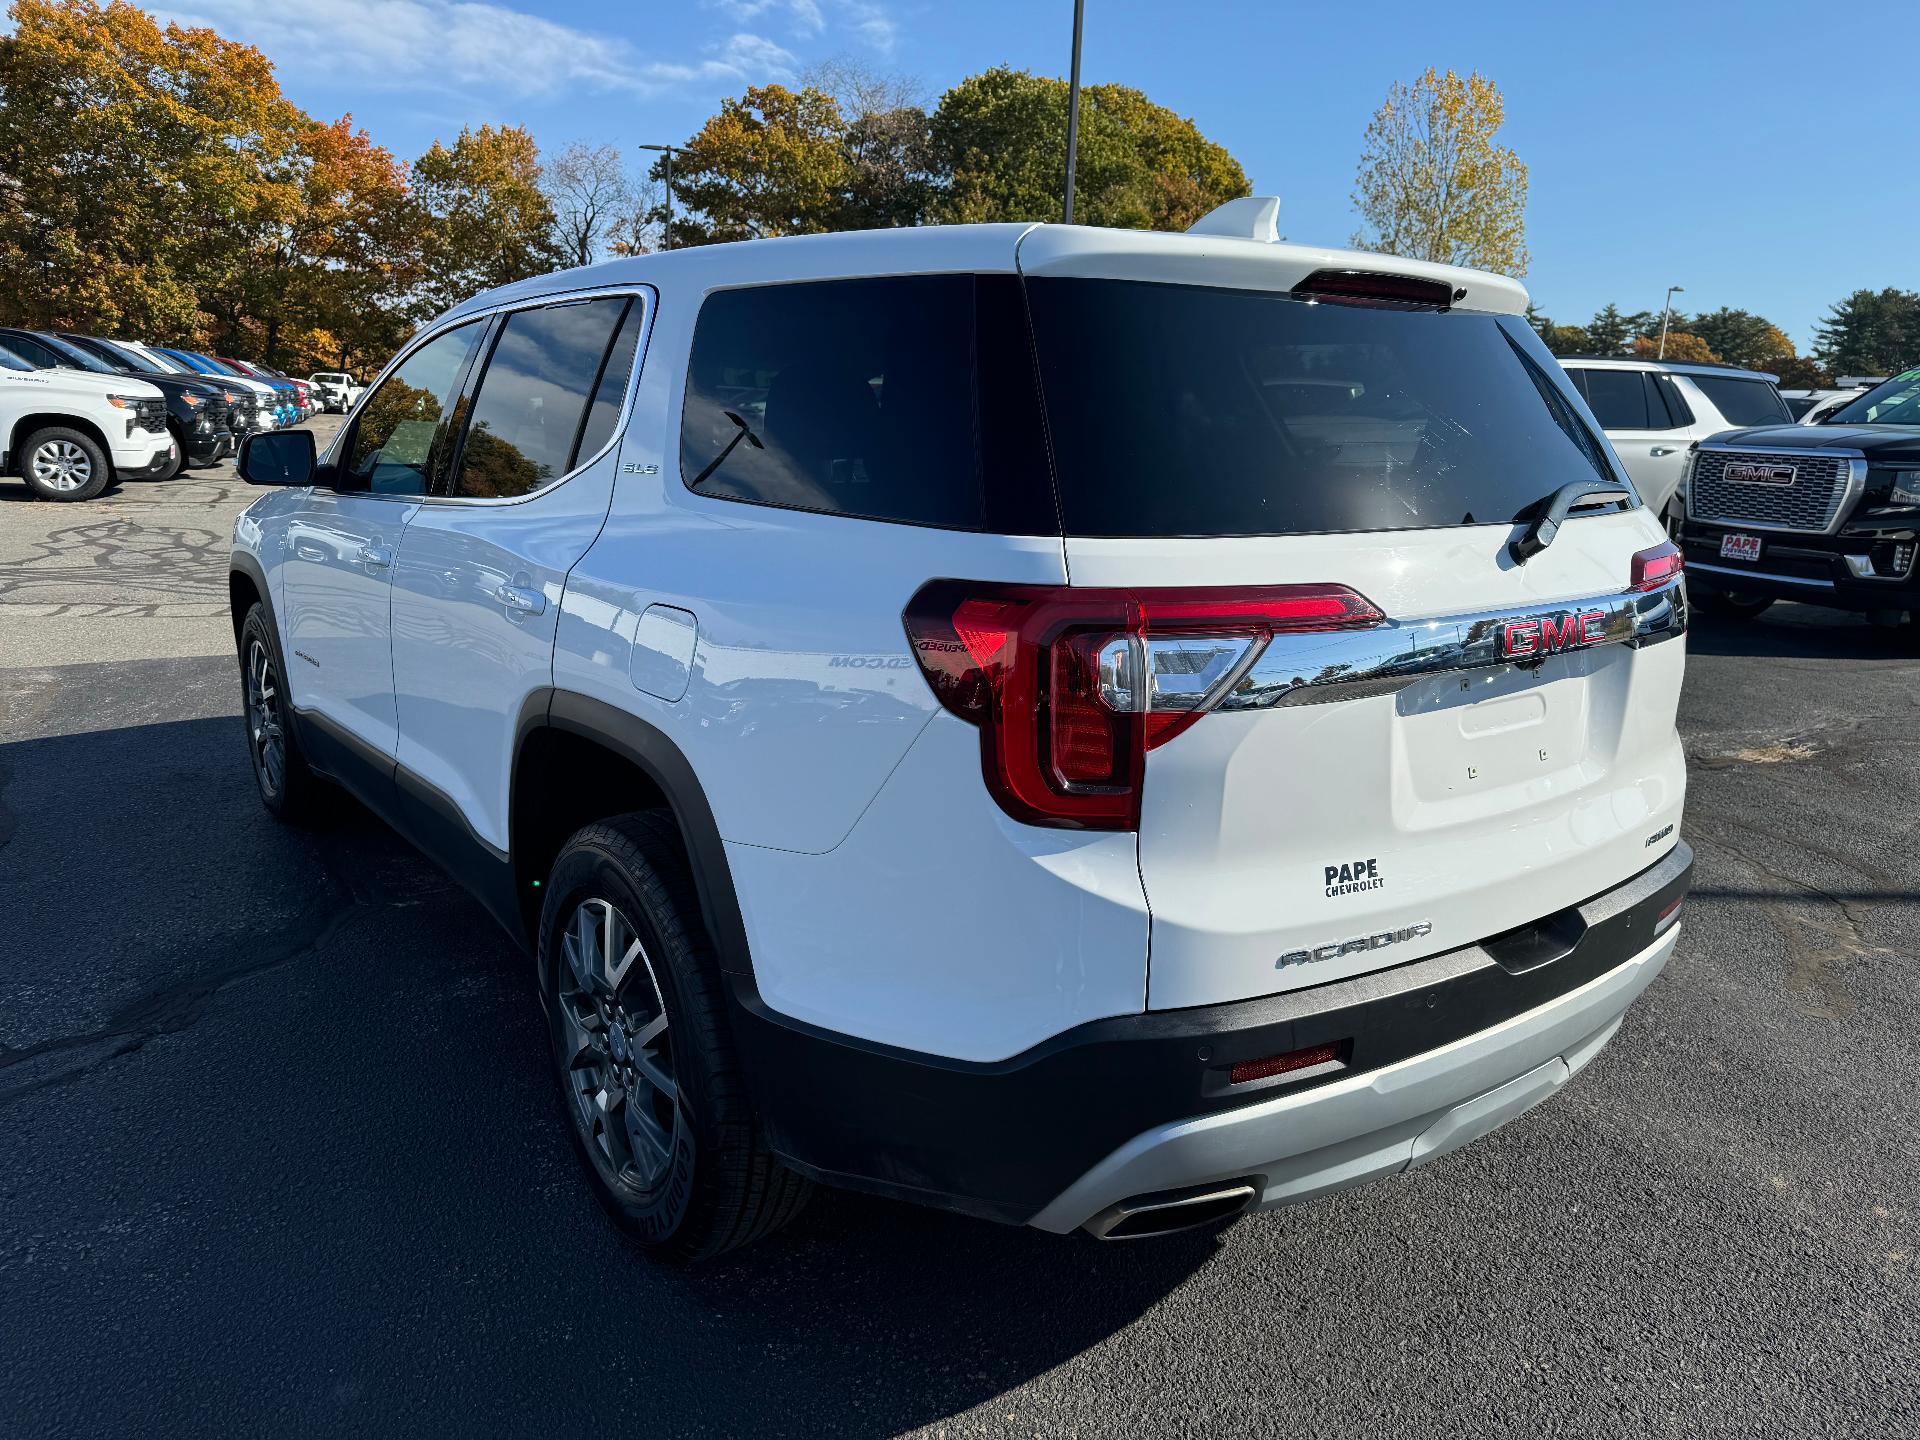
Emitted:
pixel 1659 450
pixel 377 557
pixel 520 601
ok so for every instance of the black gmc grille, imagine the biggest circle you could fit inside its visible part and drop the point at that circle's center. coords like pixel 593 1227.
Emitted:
pixel 1788 489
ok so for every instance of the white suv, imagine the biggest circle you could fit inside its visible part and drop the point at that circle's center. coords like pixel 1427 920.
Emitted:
pixel 1080 727
pixel 1653 410
pixel 70 433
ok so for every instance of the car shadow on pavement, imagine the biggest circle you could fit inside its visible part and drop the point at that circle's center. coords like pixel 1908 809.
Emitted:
pixel 303 1083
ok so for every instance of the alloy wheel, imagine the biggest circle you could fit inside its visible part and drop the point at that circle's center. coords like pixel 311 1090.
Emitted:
pixel 264 725
pixel 618 1049
pixel 62 466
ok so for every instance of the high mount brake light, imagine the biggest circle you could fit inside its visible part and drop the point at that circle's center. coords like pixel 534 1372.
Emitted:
pixel 1372 287
pixel 1654 568
pixel 1071 687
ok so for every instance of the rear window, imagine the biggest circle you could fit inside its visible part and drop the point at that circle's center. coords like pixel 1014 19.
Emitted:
pixel 906 398
pixel 1180 410
pixel 1618 399
pixel 1744 402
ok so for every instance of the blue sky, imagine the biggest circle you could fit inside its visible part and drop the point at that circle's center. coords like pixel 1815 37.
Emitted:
pixel 1707 145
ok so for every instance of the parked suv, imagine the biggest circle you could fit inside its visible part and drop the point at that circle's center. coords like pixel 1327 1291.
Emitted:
pixel 1081 727
pixel 1827 513
pixel 196 411
pixel 70 435
pixel 1652 410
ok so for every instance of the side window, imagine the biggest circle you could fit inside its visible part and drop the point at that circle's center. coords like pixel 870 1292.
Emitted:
pixel 404 425
pixel 604 414
pixel 1744 402
pixel 1679 412
pixel 533 397
pixel 865 398
pixel 1618 399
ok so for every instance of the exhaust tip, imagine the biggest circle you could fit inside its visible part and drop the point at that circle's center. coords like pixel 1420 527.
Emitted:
pixel 1167 1212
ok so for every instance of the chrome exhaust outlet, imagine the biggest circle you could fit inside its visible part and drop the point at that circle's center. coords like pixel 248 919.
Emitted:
pixel 1166 1212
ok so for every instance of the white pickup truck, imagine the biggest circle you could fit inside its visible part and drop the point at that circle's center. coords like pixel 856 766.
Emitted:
pixel 69 434
pixel 336 388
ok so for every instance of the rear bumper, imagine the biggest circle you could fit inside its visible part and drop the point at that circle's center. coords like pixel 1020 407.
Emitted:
pixel 1434 1053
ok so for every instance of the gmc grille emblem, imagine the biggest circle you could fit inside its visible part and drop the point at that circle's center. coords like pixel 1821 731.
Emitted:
pixel 1761 474
pixel 1549 634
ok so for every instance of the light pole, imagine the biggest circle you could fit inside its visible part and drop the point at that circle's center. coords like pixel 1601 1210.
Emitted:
pixel 1666 313
pixel 667 150
pixel 1073 108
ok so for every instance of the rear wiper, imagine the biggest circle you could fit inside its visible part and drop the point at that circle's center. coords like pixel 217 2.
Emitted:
pixel 745 432
pixel 1553 509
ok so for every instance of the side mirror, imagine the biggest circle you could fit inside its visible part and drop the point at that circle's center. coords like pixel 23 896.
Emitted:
pixel 278 457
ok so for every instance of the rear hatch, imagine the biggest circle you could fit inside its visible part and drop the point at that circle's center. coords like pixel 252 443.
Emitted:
pixel 1461 749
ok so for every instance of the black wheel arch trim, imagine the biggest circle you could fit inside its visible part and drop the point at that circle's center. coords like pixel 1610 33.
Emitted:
pixel 657 757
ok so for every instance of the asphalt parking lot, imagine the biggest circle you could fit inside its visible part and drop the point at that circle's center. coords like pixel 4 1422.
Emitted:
pixel 279 1149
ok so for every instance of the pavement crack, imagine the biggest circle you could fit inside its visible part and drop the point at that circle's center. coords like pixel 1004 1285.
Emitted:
pixel 167 1010
pixel 1816 945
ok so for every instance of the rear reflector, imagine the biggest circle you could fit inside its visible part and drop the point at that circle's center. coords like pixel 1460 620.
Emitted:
pixel 1371 287
pixel 1249 1070
pixel 1654 568
pixel 1071 687
pixel 1664 920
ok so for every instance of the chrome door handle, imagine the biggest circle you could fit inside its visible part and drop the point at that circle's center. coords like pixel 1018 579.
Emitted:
pixel 377 556
pixel 519 601
pixel 1659 450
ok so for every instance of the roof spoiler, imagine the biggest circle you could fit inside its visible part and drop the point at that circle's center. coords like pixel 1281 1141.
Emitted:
pixel 1252 217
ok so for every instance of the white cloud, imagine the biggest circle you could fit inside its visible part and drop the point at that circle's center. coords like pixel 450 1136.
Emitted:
pixel 410 44
pixel 803 15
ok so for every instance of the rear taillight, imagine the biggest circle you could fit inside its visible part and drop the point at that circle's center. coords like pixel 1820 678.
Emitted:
pixel 1071 687
pixel 1654 568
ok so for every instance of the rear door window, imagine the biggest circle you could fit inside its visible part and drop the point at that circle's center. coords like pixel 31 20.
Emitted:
pixel 1743 401
pixel 907 398
pixel 1185 410
pixel 531 406
pixel 1618 399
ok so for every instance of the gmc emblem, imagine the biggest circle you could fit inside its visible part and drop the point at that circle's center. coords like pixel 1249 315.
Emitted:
pixel 1549 635
pixel 1739 474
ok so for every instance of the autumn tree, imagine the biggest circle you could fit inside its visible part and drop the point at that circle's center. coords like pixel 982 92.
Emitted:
pixel 138 163
pixel 770 163
pixel 1681 345
pixel 1433 182
pixel 483 218
pixel 1000 140
pixel 1870 333
pixel 1740 337
pixel 1801 372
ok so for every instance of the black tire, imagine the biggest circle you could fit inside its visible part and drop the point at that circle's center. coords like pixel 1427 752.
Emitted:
pixel 290 791
pixel 50 456
pixel 1730 603
pixel 715 1184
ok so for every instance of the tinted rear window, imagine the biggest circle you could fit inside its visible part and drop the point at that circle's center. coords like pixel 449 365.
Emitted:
pixel 1744 402
pixel 906 398
pixel 1178 410
pixel 1618 398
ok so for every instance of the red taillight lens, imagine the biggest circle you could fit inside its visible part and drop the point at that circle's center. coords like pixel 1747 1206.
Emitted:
pixel 1250 1070
pixel 1071 687
pixel 1654 568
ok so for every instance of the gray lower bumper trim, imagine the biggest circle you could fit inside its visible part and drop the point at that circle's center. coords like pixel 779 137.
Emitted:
pixel 1379 1123
pixel 1761 575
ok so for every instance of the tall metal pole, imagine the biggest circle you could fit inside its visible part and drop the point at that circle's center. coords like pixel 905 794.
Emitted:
pixel 667 150
pixel 1666 314
pixel 1073 108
